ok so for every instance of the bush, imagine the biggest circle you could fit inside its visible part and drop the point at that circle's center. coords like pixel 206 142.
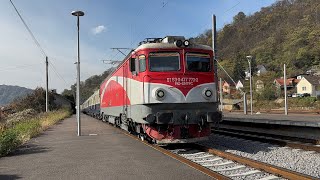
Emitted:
pixel 268 93
pixel 9 140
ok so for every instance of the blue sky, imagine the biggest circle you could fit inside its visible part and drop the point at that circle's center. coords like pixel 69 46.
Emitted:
pixel 106 24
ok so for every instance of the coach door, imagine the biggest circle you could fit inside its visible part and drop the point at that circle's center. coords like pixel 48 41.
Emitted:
pixel 125 87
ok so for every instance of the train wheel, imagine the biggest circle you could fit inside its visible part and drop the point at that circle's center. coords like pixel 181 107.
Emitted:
pixel 142 137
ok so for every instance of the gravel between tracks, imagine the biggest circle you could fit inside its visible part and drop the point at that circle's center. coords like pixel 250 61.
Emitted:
pixel 306 162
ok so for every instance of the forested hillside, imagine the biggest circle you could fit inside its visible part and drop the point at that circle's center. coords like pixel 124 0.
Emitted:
pixel 10 93
pixel 87 87
pixel 286 32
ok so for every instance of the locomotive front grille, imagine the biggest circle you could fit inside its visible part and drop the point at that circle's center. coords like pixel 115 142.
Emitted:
pixel 164 118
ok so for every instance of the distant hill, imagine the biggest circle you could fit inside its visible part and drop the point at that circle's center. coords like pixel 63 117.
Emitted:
pixel 9 93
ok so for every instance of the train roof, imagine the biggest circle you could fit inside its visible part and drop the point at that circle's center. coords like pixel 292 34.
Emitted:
pixel 170 46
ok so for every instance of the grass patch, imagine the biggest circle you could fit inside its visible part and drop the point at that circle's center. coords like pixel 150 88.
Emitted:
pixel 13 136
pixel 266 105
pixel 304 103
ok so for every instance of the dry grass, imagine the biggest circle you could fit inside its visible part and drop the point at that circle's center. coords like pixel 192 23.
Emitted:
pixel 14 135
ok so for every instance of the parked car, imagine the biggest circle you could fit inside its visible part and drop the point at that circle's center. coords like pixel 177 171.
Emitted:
pixel 305 95
pixel 294 95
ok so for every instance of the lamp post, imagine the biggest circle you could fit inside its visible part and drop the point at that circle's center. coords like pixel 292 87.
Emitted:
pixel 78 14
pixel 249 58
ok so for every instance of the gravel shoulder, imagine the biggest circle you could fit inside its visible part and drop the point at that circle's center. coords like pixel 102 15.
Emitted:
pixel 306 162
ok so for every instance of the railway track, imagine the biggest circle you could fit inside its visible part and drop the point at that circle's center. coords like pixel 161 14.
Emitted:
pixel 222 165
pixel 293 142
pixel 232 166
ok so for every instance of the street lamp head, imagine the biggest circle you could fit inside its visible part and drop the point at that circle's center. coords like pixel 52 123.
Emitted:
pixel 77 13
pixel 249 57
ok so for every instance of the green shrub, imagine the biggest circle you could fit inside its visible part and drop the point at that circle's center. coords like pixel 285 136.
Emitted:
pixel 268 93
pixel 9 140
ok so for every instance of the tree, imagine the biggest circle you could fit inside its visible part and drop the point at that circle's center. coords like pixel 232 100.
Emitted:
pixel 36 101
pixel 239 17
pixel 238 68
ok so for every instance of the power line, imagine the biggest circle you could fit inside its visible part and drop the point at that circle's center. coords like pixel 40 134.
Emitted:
pixel 37 43
pixel 28 29
pixel 223 15
pixel 155 19
pixel 57 73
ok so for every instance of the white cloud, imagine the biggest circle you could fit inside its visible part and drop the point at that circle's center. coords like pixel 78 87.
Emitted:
pixel 99 29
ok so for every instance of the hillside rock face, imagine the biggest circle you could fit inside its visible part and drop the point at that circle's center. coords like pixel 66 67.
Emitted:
pixel 9 93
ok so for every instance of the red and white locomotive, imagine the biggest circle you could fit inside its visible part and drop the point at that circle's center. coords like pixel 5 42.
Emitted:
pixel 164 91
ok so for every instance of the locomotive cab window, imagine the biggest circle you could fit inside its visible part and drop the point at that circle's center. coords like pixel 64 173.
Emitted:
pixel 164 61
pixel 198 62
pixel 142 63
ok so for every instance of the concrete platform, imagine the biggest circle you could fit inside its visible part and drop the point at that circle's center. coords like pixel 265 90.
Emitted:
pixel 105 154
pixel 279 119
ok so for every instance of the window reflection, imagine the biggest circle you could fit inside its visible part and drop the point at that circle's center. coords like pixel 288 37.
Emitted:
pixel 197 62
pixel 164 61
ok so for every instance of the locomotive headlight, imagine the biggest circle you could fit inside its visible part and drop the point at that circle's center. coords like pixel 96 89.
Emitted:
pixel 207 93
pixel 186 43
pixel 159 94
pixel 178 43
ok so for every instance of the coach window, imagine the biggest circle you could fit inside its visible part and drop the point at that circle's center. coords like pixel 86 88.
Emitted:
pixel 142 63
pixel 198 62
pixel 164 61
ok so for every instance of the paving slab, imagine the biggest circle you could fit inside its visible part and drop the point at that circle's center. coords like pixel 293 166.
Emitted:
pixel 280 119
pixel 102 152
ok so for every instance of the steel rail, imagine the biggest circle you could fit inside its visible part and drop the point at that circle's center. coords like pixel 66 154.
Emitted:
pixel 256 164
pixel 270 140
pixel 255 131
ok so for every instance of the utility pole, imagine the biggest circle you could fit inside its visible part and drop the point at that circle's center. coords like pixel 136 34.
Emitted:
pixel 245 111
pixel 214 48
pixel 285 90
pixel 249 58
pixel 221 97
pixel 47 86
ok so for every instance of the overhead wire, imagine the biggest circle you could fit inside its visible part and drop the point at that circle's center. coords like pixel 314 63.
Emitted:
pixel 155 19
pixel 148 27
pixel 29 30
pixel 37 42
pixel 56 72
pixel 223 15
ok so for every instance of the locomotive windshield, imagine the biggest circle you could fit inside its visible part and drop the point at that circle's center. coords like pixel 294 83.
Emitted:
pixel 164 61
pixel 197 62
